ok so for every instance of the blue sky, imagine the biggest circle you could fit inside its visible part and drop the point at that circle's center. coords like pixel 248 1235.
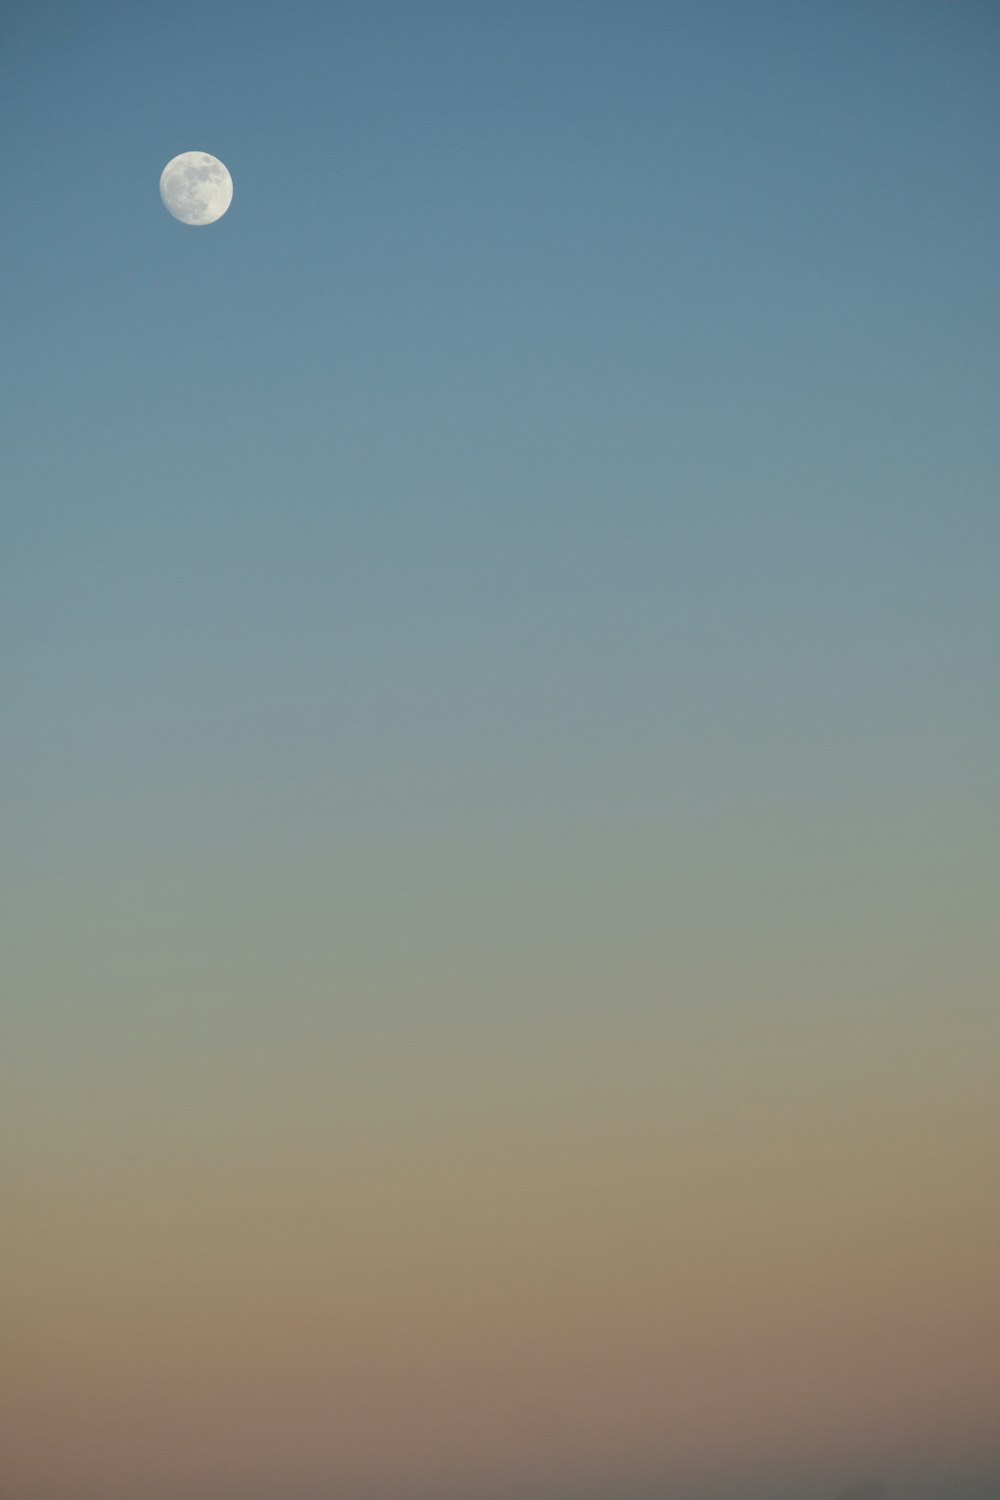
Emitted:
pixel 535 338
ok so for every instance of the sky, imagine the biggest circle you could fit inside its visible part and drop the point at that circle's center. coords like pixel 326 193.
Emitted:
pixel 500 740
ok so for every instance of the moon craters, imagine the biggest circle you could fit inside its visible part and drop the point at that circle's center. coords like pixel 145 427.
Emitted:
pixel 196 188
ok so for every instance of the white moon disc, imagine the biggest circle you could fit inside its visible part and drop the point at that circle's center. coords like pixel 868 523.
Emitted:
pixel 196 188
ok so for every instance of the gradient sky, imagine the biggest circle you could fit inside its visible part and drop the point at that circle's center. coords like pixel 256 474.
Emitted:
pixel 500 795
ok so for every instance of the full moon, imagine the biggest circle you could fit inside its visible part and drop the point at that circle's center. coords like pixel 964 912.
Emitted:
pixel 196 188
